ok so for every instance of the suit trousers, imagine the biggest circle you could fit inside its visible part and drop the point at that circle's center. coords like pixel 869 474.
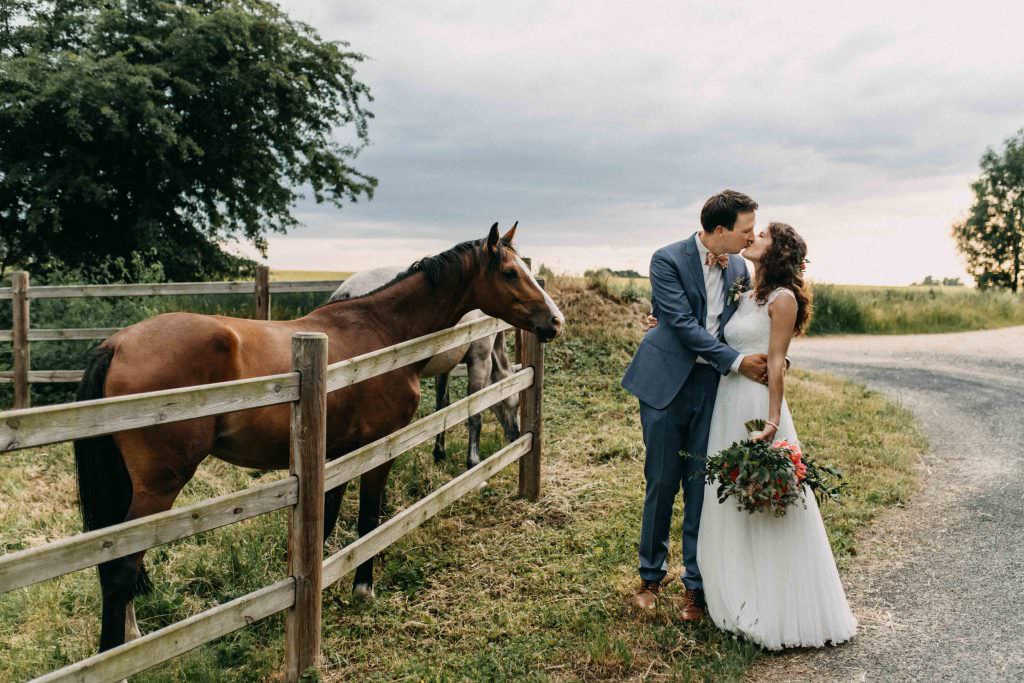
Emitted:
pixel 680 427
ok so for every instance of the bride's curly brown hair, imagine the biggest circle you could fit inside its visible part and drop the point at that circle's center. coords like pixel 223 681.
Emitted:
pixel 782 266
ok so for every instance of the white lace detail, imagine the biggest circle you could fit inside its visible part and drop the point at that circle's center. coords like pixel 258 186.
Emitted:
pixel 781 290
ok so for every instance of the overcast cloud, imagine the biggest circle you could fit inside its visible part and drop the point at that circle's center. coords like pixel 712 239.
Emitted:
pixel 603 126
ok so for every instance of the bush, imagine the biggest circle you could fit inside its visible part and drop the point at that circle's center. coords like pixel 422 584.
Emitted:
pixel 600 281
pixel 835 311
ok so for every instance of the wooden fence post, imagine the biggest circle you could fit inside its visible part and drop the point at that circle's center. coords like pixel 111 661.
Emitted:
pixel 262 293
pixel 19 339
pixel 306 519
pixel 530 416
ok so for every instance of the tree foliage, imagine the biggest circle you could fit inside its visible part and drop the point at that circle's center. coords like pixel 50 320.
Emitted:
pixel 143 125
pixel 992 235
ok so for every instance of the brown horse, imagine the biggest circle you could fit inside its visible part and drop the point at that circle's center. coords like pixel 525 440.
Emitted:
pixel 140 472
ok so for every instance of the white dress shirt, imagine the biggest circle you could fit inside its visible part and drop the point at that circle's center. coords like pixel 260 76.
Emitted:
pixel 715 296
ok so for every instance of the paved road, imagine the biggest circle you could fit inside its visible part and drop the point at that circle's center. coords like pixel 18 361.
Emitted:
pixel 939 585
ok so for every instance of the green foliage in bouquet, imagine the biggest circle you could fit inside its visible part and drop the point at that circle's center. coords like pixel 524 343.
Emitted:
pixel 763 476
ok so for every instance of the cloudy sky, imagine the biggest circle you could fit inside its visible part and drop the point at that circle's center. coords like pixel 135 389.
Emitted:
pixel 602 127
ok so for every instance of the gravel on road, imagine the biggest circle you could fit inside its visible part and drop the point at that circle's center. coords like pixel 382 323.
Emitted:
pixel 938 586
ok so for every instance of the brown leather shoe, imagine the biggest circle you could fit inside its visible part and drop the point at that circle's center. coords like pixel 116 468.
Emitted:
pixel 693 605
pixel 646 597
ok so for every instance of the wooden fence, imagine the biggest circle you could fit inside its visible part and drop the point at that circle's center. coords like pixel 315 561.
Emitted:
pixel 306 388
pixel 21 334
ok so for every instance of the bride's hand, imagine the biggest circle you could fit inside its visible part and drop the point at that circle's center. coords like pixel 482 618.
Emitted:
pixel 766 434
pixel 650 323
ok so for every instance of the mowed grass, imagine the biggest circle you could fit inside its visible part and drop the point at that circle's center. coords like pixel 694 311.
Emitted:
pixel 493 589
pixel 856 309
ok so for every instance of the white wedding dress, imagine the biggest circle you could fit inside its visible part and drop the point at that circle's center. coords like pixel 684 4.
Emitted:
pixel 770 579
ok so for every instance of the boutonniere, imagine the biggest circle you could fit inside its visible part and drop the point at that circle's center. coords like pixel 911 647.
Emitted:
pixel 737 288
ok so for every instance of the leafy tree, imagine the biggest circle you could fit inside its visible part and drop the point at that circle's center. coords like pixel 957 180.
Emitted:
pixel 143 125
pixel 992 235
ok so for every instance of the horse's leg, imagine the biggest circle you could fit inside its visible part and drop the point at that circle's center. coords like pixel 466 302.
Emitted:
pixel 332 507
pixel 371 498
pixel 119 578
pixel 506 411
pixel 441 401
pixel 478 369
pixel 158 472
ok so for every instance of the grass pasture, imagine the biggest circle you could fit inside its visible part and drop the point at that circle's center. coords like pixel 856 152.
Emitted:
pixel 495 588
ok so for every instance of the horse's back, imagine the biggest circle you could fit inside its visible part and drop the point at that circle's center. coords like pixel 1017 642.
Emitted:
pixel 172 350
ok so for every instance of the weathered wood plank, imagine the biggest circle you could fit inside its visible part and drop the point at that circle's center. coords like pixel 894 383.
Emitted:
pixel 51 424
pixel 76 375
pixel 262 293
pixel 67 555
pixel 171 641
pixel 19 339
pixel 305 286
pixel 44 376
pixel 353 370
pixel 405 521
pixel 306 518
pixel 530 419
pixel 351 465
pixel 142 289
pixel 171 288
pixel 62 334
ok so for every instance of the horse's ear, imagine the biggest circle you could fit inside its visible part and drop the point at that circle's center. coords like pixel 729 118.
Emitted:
pixel 510 235
pixel 492 238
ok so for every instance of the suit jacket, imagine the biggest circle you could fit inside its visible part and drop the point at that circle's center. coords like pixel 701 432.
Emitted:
pixel 668 352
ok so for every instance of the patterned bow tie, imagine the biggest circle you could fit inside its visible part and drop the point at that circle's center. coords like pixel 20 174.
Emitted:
pixel 722 260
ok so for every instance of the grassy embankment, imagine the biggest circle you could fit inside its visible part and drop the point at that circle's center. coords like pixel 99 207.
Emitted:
pixel 855 309
pixel 495 588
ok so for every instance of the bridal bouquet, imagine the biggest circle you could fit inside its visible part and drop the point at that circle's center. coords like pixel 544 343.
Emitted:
pixel 769 477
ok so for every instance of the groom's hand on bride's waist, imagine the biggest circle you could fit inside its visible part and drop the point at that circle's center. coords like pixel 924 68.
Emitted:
pixel 755 366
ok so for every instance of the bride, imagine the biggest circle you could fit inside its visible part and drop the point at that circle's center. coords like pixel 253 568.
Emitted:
pixel 770 579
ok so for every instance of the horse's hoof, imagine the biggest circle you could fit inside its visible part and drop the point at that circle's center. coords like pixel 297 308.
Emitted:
pixel 363 593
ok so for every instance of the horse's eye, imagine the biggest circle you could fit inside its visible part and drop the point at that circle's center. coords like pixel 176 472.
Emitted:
pixel 510 274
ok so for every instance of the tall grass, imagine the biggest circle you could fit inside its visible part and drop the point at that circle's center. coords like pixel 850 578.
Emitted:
pixel 912 310
pixel 495 588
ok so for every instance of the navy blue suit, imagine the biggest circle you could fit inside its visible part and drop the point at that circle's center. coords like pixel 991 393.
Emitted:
pixel 677 397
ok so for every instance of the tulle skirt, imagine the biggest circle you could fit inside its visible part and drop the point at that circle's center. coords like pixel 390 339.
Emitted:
pixel 770 579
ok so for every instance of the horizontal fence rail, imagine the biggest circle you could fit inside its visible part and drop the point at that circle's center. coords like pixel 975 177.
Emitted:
pixel 359 368
pixel 178 638
pixel 51 376
pixel 71 554
pixel 65 422
pixel 168 289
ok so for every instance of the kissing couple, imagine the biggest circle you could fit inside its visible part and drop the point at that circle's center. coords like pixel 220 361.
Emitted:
pixel 714 359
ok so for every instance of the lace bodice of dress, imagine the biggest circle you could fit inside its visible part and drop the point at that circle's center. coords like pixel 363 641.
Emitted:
pixel 749 328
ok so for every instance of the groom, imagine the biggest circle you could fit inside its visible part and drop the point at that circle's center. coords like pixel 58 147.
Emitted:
pixel 675 375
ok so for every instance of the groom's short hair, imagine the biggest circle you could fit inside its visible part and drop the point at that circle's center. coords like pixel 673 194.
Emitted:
pixel 723 208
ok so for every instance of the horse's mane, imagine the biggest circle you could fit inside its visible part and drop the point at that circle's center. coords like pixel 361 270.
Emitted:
pixel 437 268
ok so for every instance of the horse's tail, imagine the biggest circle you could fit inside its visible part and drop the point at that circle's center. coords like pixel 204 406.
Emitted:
pixel 104 485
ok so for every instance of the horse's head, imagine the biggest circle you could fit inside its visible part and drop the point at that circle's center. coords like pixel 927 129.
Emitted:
pixel 505 289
